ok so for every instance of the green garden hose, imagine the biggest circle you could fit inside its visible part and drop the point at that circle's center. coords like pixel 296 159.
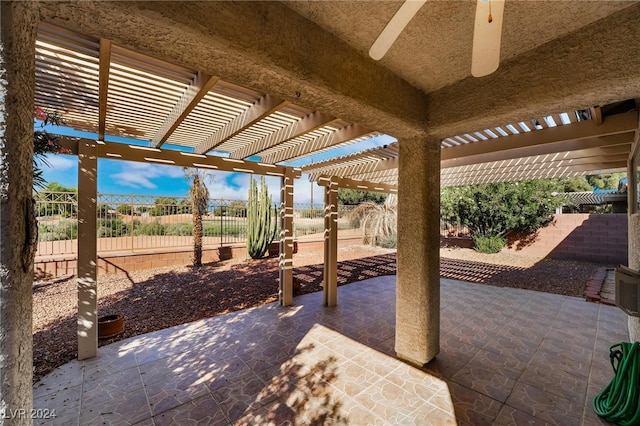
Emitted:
pixel 619 402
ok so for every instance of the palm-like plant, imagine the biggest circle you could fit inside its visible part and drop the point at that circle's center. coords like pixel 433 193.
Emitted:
pixel 199 197
pixel 378 222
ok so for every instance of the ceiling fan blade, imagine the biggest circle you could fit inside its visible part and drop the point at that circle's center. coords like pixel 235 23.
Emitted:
pixel 485 58
pixel 393 29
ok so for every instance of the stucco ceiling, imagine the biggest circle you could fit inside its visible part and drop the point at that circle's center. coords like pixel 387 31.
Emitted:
pixel 434 50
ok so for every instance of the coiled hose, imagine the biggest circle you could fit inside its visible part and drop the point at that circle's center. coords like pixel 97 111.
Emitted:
pixel 619 402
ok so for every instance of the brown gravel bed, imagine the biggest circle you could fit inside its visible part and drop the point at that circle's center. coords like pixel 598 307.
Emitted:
pixel 160 298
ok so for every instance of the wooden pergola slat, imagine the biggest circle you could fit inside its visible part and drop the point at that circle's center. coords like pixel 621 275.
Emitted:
pixel 306 124
pixel 194 94
pixel 264 107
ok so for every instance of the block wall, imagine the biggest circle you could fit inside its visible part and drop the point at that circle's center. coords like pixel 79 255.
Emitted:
pixel 592 237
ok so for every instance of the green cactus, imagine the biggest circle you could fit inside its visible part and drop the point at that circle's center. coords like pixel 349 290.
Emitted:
pixel 261 229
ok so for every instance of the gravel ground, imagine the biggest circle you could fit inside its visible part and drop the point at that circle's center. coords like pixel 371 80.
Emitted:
pixel 160 298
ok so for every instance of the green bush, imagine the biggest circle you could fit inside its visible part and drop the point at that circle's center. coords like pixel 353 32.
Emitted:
pixel 63 230
pixel 491 211
pixel 488 244
pixel 112 227
pixel 153 228
pixel 214 230
pixel 181 229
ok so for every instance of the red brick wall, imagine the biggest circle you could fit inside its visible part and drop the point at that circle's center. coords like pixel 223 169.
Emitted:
pixel 592 237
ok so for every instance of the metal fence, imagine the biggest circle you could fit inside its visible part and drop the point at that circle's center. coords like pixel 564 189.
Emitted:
pixel 454 230
pixel 138 222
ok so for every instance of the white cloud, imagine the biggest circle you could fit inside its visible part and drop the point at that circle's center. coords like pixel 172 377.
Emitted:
pixel 235 186
pixel 134 180
pixel 142 175
pixel 58 162
pixel 302 191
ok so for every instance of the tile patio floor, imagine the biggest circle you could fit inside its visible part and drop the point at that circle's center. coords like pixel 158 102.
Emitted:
pixel 508 357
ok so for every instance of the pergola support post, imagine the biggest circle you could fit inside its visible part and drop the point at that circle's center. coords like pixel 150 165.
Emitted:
pixel 418 276
pixel 286 239
pixel 87 250
pixel 18 228
pixel 331 243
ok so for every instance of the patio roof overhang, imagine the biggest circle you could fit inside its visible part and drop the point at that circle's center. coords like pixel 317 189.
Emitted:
pixel 115 92
pixel 570 144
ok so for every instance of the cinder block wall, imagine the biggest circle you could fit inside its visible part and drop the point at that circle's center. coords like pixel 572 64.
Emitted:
pixel 57 266
pixel 591 237
pixel 122 263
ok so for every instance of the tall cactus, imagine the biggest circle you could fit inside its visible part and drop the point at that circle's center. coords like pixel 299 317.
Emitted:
pixel 260 231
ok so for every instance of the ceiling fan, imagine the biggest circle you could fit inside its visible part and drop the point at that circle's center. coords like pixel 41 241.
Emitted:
pixel 487 32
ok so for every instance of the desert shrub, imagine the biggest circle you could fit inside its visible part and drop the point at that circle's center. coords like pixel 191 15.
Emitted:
pixel 112 228
pixel 181 229
pixel 63 230
pixel 315 213
pixel 153 228
pixel 389 241
pixel 488 244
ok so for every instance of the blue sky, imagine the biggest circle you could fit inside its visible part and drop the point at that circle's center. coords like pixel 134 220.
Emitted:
pixel 124 177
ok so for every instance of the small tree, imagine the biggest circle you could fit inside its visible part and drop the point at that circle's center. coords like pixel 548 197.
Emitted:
pixel 199 197
pixel 164 206
pixel 124 209
pixel 491 211
pixel 260 232
pixel 354 197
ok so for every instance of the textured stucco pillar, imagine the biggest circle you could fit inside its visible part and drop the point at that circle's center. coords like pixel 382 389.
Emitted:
pixel 418 277
pixel 633 236
pixel 331 244
pixel 634 263
pixel 18 22
pixel 87 250
pixel 286 240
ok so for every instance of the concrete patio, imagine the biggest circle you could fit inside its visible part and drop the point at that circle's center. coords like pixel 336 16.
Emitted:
pixel 508 356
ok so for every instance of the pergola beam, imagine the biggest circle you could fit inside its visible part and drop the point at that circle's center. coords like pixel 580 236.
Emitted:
pixel 548 140
pixel 354 169
pixel 356 184
pixel 528 172
pixel 264 107
pixel 596 114
pixel 342 135
pixel 375 176
pixel 143 154
pixel 103 85
pixel 306 124
pixel 189 100
pixel 508 167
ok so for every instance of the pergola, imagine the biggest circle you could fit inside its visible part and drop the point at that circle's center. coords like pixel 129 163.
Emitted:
pixel 246 87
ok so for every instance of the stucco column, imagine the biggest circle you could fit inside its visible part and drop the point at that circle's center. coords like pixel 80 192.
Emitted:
pixel 87 250
pixel 286 240
pixel 633 235
pixel 330 243
pixel 418 276
pixel 18 228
